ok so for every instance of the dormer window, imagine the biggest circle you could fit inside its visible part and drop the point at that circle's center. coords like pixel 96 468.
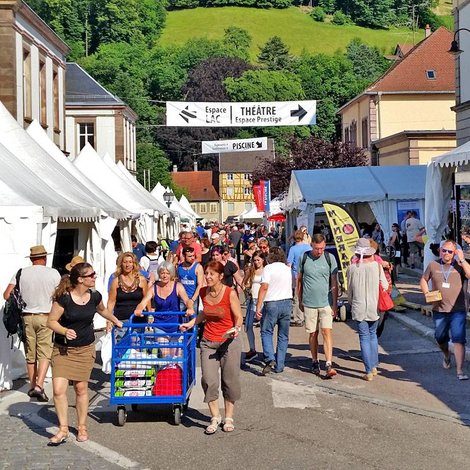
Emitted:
pixel 431 74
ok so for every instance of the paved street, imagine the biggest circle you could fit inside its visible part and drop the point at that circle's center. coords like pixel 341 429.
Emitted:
pixel 288 420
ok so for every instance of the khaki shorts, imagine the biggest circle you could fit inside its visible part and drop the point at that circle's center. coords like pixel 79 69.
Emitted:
pixel 318 316
pixel 38 344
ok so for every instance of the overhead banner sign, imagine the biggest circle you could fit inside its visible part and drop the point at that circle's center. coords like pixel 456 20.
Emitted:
pixel 279 113
pixel 242 145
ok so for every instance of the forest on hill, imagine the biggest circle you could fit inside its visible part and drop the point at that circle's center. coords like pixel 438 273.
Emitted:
pixel 117 42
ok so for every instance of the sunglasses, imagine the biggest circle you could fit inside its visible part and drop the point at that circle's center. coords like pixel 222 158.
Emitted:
pixel 444 250
pixel 93 274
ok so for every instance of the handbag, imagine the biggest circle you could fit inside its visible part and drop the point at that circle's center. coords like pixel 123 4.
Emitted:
pixel 385 302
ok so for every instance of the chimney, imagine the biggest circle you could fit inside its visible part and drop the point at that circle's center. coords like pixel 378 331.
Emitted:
pixel 195 166
pixel 175 169
pixel 427 31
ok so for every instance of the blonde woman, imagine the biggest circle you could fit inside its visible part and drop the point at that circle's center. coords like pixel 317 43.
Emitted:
pixel 128 288
pixel 73 356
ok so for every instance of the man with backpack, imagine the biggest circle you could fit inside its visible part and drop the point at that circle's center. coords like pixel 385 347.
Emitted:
pixel 151 260
pixel 36 285
pixel 317 289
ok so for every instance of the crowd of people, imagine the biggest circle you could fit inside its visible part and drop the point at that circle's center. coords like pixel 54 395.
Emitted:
pixel 209 273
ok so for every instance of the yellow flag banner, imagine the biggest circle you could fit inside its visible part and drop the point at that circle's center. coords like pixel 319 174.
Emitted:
pixel 345 234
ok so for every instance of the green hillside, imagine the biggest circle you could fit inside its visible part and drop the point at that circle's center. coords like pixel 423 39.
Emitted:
pixel 294 26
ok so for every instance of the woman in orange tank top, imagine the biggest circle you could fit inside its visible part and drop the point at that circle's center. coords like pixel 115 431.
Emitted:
pixel 220 345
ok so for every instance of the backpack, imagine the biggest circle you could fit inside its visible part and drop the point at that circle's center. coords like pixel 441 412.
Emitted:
pixel 14 307
pixel 328 260
pixel 153 265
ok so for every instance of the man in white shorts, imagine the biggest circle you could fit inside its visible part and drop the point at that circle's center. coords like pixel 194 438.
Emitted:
pixel 317 288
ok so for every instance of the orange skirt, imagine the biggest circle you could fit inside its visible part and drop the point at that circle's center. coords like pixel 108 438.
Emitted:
pixel 73 363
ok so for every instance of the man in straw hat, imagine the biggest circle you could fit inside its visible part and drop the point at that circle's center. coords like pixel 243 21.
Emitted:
pixel 37 284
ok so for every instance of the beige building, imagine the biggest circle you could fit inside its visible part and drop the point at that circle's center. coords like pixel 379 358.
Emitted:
pixel 32 69
pixel 235 180
pixel 96 116
pixel 406 116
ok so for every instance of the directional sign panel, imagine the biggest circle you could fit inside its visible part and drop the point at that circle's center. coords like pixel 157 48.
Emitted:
pixel 281 113
pixel 240 145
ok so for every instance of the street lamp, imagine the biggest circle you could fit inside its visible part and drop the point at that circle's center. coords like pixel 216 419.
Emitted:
pixel 168 197
pixel 454 47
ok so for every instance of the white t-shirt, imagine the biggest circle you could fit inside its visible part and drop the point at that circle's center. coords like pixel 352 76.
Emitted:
pixel 413 227
pixel 278 276
pixel 37 285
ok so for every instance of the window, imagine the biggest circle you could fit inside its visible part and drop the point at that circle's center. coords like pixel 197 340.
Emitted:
pixel 213 207
pixel 365 133
pixel 248 206
pixel 194 207
pixel 247 191
pixel 229 176
pixel 347 138
pixel 202 208
pixel 353 134
pixel 27 107
pixel 230 192
pixel 86 134
pixel 42 92
pixel 431 74
pixel 247 177
pixel 231 207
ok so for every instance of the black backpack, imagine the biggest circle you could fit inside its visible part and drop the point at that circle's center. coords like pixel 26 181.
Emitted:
pixel 14 306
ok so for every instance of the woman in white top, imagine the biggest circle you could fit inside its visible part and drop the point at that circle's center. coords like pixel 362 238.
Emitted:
pixel 363 292
pixel 252 283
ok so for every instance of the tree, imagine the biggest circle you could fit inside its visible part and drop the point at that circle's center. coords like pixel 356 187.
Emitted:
pixel 238 41
pixel 264 85
pixel 274 55
pixel 370 13
pixel 206 80
pixel 182 4
pixel 368 62
pixel 307 154
pixel 150 157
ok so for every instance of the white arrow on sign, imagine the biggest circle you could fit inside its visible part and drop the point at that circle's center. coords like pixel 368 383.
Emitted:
pixel 211 114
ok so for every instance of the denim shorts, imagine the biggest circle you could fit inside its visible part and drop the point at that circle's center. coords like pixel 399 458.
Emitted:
pixel 453 321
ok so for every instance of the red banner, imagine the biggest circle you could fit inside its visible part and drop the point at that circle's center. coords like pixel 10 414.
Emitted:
pixel 258 195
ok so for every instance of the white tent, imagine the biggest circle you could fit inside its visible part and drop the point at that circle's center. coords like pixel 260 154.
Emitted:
pixel 381 187
pixel 187 207
pixel 438 195
pixel 252 215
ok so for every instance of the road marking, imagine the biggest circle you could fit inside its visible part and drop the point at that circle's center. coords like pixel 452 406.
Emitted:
pixel 289 395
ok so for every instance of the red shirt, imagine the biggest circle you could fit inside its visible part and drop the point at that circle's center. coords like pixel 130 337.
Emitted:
pixel 219 317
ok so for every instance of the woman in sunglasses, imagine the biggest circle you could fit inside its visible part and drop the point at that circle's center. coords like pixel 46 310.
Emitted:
pixel 71 319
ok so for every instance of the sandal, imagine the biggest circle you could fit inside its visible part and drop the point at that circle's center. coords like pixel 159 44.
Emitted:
pixel 462 376
pixel 446 362
pixel 60 437
pixel 82 435
pixel 228 425
pixel 215 422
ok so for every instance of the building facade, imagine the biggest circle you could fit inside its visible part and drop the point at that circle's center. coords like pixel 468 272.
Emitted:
pixel 96 116
pixel 415 95
pixel 235 180
pixel 202 187
pixel 32 69
pixel 462 71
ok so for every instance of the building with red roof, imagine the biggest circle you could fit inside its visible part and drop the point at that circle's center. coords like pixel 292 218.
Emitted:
pixel 405 117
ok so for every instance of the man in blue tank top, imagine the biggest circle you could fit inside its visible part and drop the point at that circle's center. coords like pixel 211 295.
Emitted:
pixel 191 275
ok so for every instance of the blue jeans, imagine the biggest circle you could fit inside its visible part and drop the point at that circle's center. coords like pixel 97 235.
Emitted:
pixel 278 313
pixel 369 344
pixel 249 319
pixel 453 321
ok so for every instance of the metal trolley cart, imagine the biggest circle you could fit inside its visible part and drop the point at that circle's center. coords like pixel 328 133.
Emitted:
pixel 150 366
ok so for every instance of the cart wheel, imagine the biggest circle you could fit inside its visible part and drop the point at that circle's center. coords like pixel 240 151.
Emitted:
pixel 121 416
pixel 185 406
pixel 177 415
pixel 342 312
pixel 134 406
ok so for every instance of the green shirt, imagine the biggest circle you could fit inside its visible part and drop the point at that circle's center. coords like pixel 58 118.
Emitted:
pixel 316 280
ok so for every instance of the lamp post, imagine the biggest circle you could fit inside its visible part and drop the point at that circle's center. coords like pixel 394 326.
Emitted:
pixel 168 197
pixel 454 47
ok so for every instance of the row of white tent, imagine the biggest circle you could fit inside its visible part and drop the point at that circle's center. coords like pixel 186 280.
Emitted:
pixel 42 191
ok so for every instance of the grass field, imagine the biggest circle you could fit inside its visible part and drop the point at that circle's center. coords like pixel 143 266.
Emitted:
pixel 295 28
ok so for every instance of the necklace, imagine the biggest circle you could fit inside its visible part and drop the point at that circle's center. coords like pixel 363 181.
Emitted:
pixel 211 292
pixel 129 287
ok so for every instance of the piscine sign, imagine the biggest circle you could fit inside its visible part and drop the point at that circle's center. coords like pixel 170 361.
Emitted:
pixel 238 145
